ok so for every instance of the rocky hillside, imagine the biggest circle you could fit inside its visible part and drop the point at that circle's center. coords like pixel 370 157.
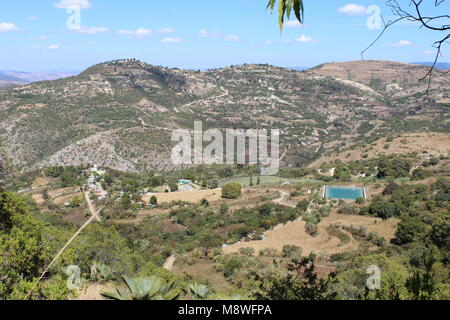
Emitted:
pixel 121 113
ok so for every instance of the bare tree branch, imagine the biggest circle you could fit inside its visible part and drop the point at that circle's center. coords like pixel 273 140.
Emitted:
pixel 439 23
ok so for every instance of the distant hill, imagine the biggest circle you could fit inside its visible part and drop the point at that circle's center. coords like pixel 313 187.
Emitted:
pixel 29 77
pixel 386 77
pixel 439 65
pixel 121 113
pixel 299 68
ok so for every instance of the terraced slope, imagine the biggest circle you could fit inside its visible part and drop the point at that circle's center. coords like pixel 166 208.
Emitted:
pixel 121 113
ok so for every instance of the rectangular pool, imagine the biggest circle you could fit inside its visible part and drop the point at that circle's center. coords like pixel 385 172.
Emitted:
pixel 345 193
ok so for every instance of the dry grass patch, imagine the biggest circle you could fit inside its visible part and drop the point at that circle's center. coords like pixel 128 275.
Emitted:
pixel 193 196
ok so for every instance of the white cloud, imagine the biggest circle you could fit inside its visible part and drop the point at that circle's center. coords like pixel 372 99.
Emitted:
pixel 268 42
pixel 6 26
pixel 401 43
pixel 90 30
pixel 232 38
pixel 293 24
pixel 306 39
pixel 140 32
pixel 165 30
pixel 209 34
pixel 172 40
pixel 353 10
pixel 54 47
pixel 66 4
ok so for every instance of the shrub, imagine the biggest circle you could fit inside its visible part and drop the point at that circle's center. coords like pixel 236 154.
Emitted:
pixel 153 201
pixel 224 208
pixel 394 168
pixel 291 251
pixel 303 205
pixel 231 190
pixel 383 209
pixel 247 251
pixel 409 230
pixel 230 266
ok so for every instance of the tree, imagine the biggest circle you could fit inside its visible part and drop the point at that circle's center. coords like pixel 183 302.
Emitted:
pixel 153 201
pixel 22 248
pixel 440 233
pixel 303 205
pixel 75 202
pixel 410 229
pixel 231 190
pixel 383 209
pixel 394 168
pixel 126 201
pixel 300 283
pixel 422 284
pixel 390 188
pixel 284 9
pixel 342 173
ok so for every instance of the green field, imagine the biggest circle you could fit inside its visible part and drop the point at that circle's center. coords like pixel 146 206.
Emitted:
pixel 266 180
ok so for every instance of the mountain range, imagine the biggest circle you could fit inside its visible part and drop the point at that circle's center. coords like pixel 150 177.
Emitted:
pixel 121 113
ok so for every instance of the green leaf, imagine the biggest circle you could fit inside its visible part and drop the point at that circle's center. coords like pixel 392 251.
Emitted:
pixel 281 12
pixel 299 10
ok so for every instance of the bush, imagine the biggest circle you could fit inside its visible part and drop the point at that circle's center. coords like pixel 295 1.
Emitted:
pixel 153 201
pixel 224 208
pixel 230 266
pixel 231 190
pixel 394 168
pixel 247 251
pixel 303 205
pixel 291 251
pixel 383 209
pixel 409 230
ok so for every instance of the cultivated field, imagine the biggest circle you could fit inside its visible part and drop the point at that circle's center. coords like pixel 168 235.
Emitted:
pixel 294 233
pixel 265 180
pixel 193 196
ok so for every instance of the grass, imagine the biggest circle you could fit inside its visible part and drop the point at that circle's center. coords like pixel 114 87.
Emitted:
pixel 265 180
pixel 338 233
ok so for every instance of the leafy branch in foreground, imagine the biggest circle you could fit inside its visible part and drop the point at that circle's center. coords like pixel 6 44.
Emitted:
pixel 300 282
pixel 285 7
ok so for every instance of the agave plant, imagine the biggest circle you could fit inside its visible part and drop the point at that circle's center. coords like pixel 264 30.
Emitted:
pixel 101 272
pixel 199 291
pixel 150 288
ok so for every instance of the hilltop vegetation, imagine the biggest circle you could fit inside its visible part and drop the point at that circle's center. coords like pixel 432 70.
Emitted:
pixel 121 113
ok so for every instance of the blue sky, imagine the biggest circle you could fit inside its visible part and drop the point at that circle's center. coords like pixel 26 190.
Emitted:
pixel 198 34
